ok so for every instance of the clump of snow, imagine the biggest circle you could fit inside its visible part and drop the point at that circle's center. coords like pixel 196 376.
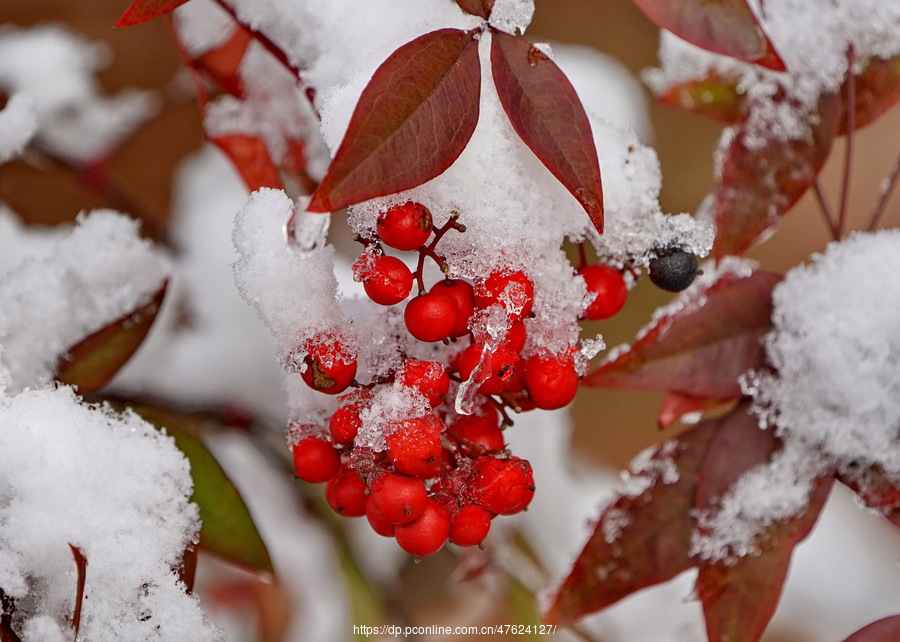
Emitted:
pixel 96 274
pixel 18 124
pixel 512 16
pixel 116 488
pixel 56 68
pixel 812 38
pixel 651 466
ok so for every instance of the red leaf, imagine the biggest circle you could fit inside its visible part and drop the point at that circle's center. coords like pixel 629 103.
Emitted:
pixel 740 595
pixel 250 156
pixel 877 90
pixel 645 539
pixel 700 351
pixel 758 185
pixel 221 64
pixel 92 362
pixel 144 10
pixel 481 8
pixel 727 27
pixel 81 573
pixel 676 405
pixel 883 630
pixel 548 116
pixel 413 119
pixel 714 96
pixel 876 490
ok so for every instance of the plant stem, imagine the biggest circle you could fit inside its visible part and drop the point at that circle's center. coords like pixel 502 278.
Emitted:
pixel 850 111
pixel 825 208
pixel 887 189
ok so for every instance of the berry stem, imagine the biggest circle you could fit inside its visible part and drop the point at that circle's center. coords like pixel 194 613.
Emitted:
pixel 887 188
pixel 582 256
pixel 825 208
pixel 850 112
pixel 429 250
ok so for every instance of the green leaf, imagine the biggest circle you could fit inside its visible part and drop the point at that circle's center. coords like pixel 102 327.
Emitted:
pixel 92 362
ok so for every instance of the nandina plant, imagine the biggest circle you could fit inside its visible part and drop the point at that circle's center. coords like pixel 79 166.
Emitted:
pixel 466 164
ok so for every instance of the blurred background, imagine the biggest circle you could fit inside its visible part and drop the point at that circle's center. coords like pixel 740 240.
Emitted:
pixel 610 427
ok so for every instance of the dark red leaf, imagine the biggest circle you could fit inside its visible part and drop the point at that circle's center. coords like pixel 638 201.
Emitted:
pixel 883 630
pixel 877 90
pixel 645 539
pixel 700 351
pixel 222 64
pixel 714 97
pixel 81 574
pixel 144 10
pixel 727 27
pixel 413 119
pixel 876 490
pixel 187 570
pixel 759 184
pixel 676 405
pixel 93 361
pixel 548 116
pixel 250 156
pixel 481 8
pixel 740 595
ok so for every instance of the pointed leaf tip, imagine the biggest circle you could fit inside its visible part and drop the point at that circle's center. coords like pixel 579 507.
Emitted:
pixel 412 121
pixel 144 10
pixel 480 8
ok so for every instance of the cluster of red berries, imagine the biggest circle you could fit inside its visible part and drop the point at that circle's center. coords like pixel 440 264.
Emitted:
pixel 444 472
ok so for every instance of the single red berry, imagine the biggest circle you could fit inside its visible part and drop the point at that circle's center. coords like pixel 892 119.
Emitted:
pixel 347 494
pixel 405 227
pixel 515 336
pixel 481 433
pixel 551 382
pixel 415 447
pixel 330 365
pixel 344 424
pixel 512 290
pixel 378 523
pixel 469 526
pixel 398 498
pixel 428 377
pixel 386 279
pixel 464 294
pixel 316 460
pixel 501 485
pixel 427 534
pixel 430 317
pixel 608 284
pixel 495 375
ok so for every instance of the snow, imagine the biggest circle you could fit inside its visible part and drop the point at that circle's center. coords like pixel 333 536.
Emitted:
pixel 96 274
pixel 55 68
pixel 17 126
pixel 116 488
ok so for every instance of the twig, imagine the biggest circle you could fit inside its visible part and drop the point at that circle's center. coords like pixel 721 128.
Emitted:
pixel 850 111
pixel 825 208
pixel 887 189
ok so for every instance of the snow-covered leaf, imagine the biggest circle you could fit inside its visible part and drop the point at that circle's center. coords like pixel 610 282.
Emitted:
pixel 713 96
pixel 480 8
pixel 548 116
pixel 739 595
pixel 699 350
pixel 877 90
pixel 677 405
pixel 144 10
pixel 761 180
pixel 250 156
pixel 92 362
pixel 222 63
pixel 413 119
pixel 728 27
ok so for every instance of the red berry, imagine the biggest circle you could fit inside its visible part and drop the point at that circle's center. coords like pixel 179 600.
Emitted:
pixel 330 366
pixel 608 284
pixel 347 494
pixel 386 279
pixel 479 432
pixel 378 523
pixel 464 295
pixel 430 317
pixel 512 290
pixel 551 382
pixel 470 526
pixel 398 498
pixel 316 460
pixel 415 447
pixel 345 423
pixel 495 375
pixel 501 485
pixel 427 534
pixel 428 377
pixel 515 336
pixel 405 227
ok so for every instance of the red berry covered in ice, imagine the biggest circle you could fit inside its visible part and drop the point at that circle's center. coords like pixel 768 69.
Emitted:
pixel 347 494
pixel 430 317
pixel 405 227
pixel 415 447
pixel 511 290
pixel 464 295
pixel 551 382
pixel 427 534
pixel 608 286
pixel 330 366
pixel 496 372
pixel 386 279
pixel 469 526
pixel 399 498
pixel 428 377
pixel 479 432
pixel 316 460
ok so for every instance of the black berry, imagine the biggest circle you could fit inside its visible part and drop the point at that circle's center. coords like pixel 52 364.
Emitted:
pixel 673 270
